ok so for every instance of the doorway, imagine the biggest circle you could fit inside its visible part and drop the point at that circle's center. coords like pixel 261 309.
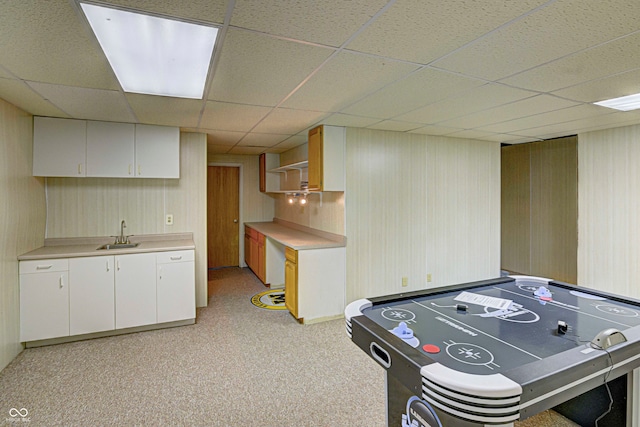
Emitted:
pixel 223 207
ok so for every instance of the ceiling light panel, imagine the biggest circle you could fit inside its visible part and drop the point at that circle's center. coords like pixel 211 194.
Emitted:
pixel 152 55
pixel 624 103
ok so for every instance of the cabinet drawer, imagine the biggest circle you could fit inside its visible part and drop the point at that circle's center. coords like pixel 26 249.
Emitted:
pixel 175 256
pixel 44 266
pixel 291 254
pixel 251 232
pixel 261 238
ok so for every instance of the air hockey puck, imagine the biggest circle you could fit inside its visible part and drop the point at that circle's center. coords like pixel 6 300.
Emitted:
pixel 431 348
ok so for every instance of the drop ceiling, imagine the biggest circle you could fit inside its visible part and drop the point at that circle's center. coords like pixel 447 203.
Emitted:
pixel 502 71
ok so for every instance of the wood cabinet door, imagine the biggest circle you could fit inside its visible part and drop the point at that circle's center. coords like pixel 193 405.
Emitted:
pixel 91 295
pixel 262 261
pixel 291 287
pixel 315 166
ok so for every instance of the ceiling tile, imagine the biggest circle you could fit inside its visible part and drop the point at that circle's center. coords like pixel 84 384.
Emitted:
pixel 217 149
pixel 162 110
pixel 73 56
pixel 470 101
pixel 246 150
pixel 200 10
pixel 329 22
pixel 395 125
pixel 559 29
pixel 513 110
pixel 348 120
pixel 291 142
pixel 286 121
pixel 476 134
pixel 609 87
pixel 232 117
pixel 420 88
pixel 345 79
pixel 262 139
pixel 262 70
pixel 86 103
pixel 614 57
pixel 423 30
pixel 584 125
pixel 434 130
pixel 223 138
pixel 22 96
pixel 544 119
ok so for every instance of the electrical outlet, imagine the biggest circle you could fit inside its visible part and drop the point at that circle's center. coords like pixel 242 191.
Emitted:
pixel 429 277
pixel 169 219
pixel 405 282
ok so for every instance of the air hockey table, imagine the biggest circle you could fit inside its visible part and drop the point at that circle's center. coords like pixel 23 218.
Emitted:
pixel 496 351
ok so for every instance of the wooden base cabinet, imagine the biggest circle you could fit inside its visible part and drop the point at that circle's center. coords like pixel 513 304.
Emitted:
pixel 291 281
pixel 315 283
pixel 255 253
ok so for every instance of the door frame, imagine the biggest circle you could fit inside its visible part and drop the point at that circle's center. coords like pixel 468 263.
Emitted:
pixel 241 262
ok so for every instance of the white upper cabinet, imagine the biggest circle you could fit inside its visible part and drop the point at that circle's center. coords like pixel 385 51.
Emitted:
pixel 110 149
pixel 59 147
pixel 157 151
pixel 81 148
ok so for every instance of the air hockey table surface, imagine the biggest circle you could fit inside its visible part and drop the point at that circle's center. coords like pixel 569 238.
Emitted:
pixel 495 351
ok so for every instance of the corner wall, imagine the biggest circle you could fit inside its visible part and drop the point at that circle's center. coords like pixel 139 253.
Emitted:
pixel 22 219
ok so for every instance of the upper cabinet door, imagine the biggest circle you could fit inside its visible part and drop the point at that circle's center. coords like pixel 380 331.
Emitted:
pixel 110 149
pixel 157 151
pixel 59 147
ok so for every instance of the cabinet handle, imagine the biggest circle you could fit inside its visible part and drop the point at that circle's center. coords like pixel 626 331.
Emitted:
pixel 79 168
pixel 44 267
pixel 176 258
pixel 61 282
pixel 107 265
pixel 139 170
pixel 118 264
pixel 160 272
pixel 130 167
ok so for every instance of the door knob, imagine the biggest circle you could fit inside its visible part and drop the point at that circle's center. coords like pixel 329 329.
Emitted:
pixel 235 221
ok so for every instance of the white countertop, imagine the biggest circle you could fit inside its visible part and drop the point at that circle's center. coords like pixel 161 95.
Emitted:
pixel 297 237
pixel 83 247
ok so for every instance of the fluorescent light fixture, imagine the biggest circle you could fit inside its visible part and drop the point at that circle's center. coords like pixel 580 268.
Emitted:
pixel 624 103
pixel 152 55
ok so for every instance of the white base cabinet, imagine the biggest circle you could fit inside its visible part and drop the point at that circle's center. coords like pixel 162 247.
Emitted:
pixel 85 295
pixel 135 290
pixel 176 292
pixel 44 299
pixel 91 296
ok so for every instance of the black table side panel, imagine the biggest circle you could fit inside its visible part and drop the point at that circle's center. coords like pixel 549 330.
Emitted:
pixel 405 360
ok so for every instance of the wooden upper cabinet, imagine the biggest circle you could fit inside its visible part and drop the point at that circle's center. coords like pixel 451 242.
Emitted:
pixel 326 163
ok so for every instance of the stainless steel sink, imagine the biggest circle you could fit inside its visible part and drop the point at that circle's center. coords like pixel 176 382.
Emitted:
pixel 119 246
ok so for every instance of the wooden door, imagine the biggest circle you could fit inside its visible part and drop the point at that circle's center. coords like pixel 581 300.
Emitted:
pixel 223 212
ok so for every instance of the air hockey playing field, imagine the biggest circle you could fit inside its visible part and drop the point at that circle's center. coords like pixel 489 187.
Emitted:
pixel 501 350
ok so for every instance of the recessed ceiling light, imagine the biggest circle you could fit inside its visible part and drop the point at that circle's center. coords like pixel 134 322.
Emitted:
pixel 152 55
pixel 624 103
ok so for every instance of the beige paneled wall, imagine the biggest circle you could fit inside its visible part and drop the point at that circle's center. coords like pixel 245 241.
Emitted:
pixel 323 212
pixel 22 219
pixel 609 202
pixel 83 207
pixel 419 205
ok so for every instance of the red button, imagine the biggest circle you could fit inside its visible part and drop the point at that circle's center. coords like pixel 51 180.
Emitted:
pixel 430 348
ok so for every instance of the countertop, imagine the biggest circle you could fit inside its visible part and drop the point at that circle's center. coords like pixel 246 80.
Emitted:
pixel 88 246
pixel 296 236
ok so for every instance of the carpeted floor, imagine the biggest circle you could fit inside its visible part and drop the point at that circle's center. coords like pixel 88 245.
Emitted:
pixel 239 365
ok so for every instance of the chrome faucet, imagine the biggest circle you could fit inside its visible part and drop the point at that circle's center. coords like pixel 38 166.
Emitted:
pixel 122 239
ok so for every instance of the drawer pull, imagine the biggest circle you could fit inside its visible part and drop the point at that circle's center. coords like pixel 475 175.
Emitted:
pixel 44 267
pixel 61 282
pixel 176 258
